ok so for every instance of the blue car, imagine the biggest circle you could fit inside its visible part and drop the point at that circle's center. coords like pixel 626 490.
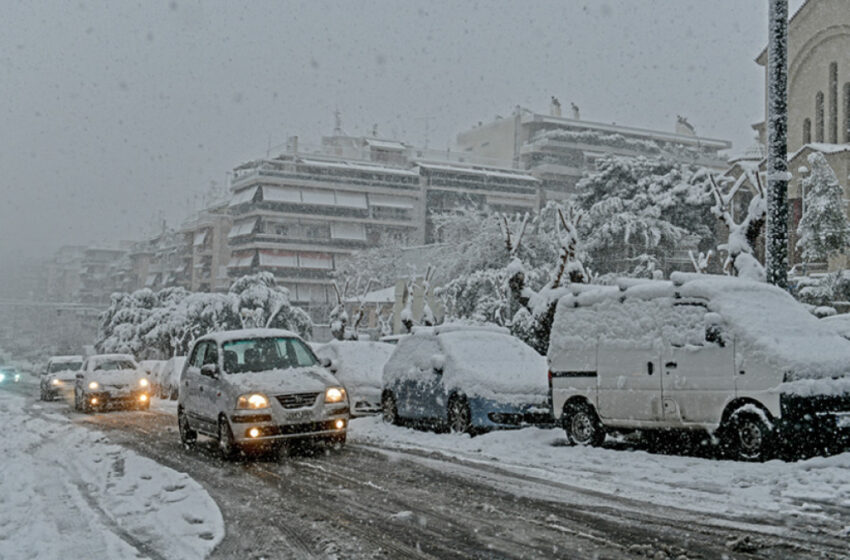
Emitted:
pixel 465 378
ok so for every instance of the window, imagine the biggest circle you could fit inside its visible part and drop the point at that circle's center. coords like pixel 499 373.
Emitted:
pixel 819 117
pixel 807 131
pixel 197 358
pixel 265 354
pixel 833 102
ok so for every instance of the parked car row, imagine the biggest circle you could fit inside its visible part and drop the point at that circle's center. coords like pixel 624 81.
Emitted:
pixel 742 361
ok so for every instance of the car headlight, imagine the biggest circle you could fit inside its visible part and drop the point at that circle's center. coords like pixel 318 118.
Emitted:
pixel 17 377
pixel 56 382
pixel 2 377
pixel 252 401
pixel 334 394
pixel 143 382
pixel 94 385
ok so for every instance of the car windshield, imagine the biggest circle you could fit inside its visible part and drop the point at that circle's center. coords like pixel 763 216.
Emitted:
pixel 65 366
pixel 263 354
pixel 110 365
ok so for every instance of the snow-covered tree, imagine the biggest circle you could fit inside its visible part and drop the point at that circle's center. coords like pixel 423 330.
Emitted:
pixel 638 209
pixel 739 248
pixel 165 323
pixel 262 303
pixel 824 230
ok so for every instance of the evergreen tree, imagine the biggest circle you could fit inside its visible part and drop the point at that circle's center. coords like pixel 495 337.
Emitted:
pixel 824 230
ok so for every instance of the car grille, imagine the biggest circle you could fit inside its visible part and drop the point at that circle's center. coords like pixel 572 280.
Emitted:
pixel 297 400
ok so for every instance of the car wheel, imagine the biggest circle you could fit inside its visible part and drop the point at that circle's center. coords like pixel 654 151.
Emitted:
pixel 747 437
pixel 459 416
pixel 226 443
pixel 188 436
pixel 582 425
pixel 389 410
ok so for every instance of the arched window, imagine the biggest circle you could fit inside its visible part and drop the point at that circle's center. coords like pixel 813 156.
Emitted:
pixel 807 131
pixel 833 102
pixel 819 117
pixel 847 112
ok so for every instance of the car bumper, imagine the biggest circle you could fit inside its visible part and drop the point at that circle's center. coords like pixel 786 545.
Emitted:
pixel 493 414
pixel 116 399
pixel 815 418
pixel 266 427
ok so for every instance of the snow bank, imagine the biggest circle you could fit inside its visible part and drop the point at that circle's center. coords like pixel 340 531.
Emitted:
pixel 65 492
pixel 788 494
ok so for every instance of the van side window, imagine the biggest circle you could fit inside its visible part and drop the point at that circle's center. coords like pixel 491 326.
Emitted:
pixel 685 325
pixel 198 355
pixel 211 355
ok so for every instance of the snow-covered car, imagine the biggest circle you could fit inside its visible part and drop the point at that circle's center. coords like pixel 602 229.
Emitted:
pixel 111 381
pixel 169 377
pixel 59 376
pixel 152 369
pixel 839 323
pixel 737 358
pixel 359 366
pixel 466 378
pixel 258 386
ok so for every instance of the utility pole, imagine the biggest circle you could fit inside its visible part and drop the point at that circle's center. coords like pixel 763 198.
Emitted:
pixel 777 144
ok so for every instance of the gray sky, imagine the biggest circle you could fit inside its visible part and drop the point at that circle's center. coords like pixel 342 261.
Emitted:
pixel 118 114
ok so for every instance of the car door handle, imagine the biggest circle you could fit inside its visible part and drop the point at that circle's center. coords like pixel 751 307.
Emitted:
pixel 671 365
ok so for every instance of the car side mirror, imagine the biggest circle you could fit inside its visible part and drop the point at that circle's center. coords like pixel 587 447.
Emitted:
pixel 210 370
pixel 326 362
pixel 79 376
pixel 438 363
pixel 714 334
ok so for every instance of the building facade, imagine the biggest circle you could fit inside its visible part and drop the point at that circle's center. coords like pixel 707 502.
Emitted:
pixel 818 75
pixel 559 150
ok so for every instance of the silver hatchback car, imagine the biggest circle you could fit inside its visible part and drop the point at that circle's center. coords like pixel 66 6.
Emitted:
pixel 259 386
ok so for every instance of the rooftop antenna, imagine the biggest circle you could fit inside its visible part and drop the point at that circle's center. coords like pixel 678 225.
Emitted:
pixel 337 122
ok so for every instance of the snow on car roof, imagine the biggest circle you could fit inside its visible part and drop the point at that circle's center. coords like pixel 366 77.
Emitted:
pixel 104 357
pixel 455 327
pixel 493 364
pixel 65 359
pixel 765 320
pixel 241 334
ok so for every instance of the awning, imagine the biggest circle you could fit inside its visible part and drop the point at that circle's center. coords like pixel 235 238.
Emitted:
pixel 277 260
pixel 325 198
pixel 386 145
pixel 348 231
pixel 351 199
pixel 313 260
pixel 200 238
pixel 243 196
pixel 390 201
pixel 242 228
pixel 281 194
pixel 240 261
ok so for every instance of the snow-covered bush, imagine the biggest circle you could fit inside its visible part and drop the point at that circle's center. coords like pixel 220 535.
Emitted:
pixel 165 323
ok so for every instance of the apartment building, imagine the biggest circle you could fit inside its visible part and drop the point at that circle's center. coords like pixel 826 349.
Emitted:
pixel 558 150
pixel 299 214
pixel 205 250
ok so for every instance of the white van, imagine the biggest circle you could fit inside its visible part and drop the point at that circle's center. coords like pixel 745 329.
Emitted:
pixel 740 359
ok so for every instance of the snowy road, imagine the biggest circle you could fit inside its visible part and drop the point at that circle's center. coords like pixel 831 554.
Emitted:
pixel 394 493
